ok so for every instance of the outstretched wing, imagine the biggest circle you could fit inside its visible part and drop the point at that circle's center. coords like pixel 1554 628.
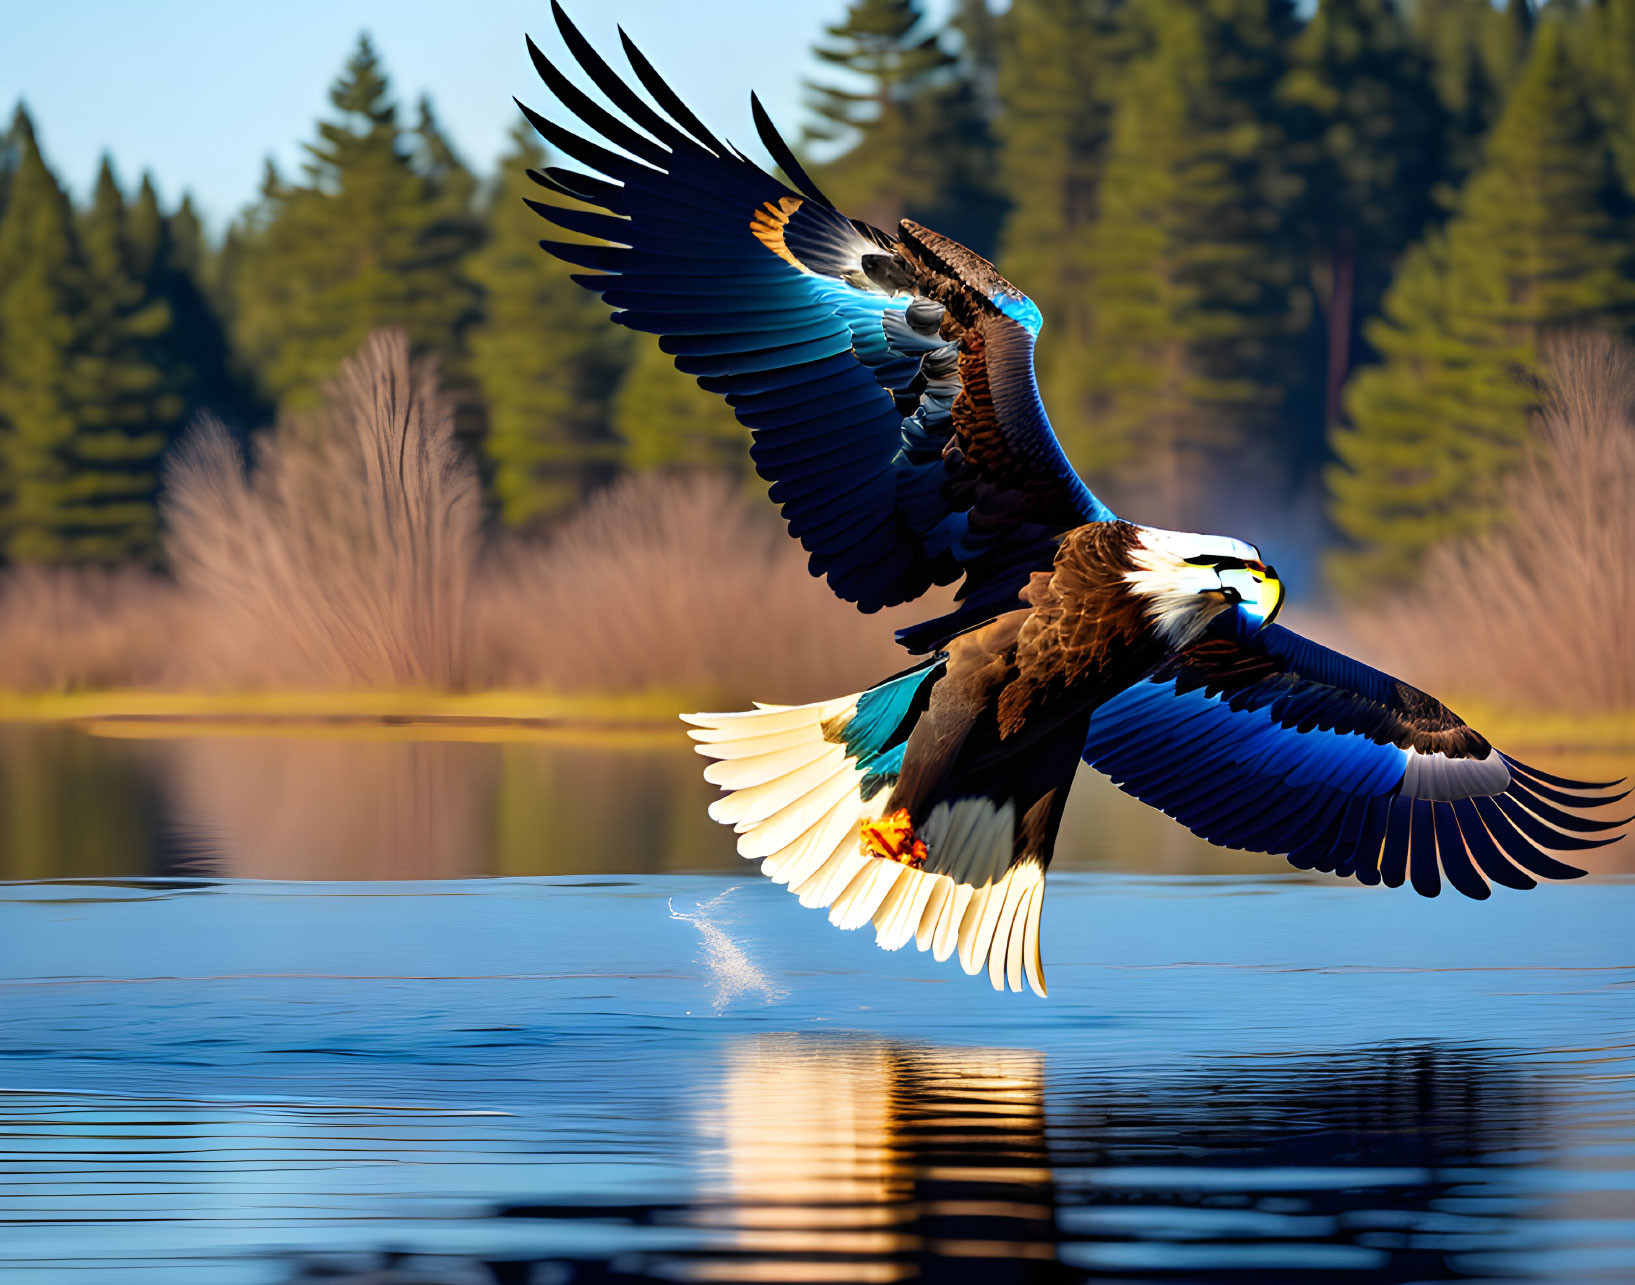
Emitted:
pixel 887 377
pixel 1269 742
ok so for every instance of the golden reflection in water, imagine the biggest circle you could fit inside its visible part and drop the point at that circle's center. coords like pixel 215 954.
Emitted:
pixel 862 1161
pixel 316 807
pixel 298 808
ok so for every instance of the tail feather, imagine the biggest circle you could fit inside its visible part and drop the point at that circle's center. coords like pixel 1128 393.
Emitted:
pixel 972 839
pixel 862 897
pixel 945 939
pixel 803 780
pixel 925 930
pixel 901 913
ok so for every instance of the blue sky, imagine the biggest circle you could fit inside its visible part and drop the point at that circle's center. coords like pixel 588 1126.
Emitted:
pixel 200 91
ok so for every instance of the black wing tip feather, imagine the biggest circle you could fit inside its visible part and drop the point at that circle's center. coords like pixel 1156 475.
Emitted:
pixel 1562 782
pixel 667 98
pixel 1573 820
pixel 614 86
pixel 610 127
pixel 576 187
pixel 1509 837
pixel 781 153
pixel 1470 845
pixel 540 125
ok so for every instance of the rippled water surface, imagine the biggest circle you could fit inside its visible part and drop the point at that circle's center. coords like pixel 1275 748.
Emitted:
pixel 622 1077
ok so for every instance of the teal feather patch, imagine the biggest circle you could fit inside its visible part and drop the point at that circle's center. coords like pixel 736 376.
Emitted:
pixel 884 769
pixel 886 713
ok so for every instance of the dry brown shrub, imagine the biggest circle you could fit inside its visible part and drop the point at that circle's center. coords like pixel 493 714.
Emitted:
pixel 348 553
pixel 344 557
pixel 676 582
pixel 72 627
pixel 1541 611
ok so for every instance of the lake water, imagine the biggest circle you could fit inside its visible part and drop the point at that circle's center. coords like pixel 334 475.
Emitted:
pixel 346 1008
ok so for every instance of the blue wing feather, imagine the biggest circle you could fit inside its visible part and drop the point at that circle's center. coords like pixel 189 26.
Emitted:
pixel 1270 742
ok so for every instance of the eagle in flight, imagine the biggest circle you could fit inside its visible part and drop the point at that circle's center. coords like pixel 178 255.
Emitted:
pixel 887 378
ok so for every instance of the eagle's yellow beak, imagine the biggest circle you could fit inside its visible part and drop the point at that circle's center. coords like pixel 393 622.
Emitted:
pixel 1258 591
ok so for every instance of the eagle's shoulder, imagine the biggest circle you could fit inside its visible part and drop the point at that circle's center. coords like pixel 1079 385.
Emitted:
pixel 1086 626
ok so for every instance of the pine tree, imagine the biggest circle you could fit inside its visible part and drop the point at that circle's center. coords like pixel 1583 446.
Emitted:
pixel 1366 129
pixel 1061 63
pixel 982 33
pixel 454 230
pixel 1604 43
pixel 133 403
pixel 971 205
pixel 76 432
pixel 1538 240
pixel 1475 53
pixel 367 240
pixel 145 229
pixel 10 157
pixel 666 420
pixel 249 299
pixel 544 356
pixel 436 159
pixel 8 166
pixel 171 257
pixel 1196 312
pixel 915 132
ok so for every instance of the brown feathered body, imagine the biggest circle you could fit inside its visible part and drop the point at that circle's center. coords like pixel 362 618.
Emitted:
pixel 1007 720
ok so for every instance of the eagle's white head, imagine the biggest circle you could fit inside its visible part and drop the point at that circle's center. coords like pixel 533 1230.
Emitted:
pixel 1186 580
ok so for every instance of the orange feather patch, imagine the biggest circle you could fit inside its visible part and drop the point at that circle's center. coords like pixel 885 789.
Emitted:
pixel 769 223
pixel 892 838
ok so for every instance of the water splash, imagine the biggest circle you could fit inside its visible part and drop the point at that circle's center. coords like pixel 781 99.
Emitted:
pixel 734 972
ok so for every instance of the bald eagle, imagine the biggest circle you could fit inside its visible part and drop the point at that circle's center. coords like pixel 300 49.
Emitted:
pixel 887 378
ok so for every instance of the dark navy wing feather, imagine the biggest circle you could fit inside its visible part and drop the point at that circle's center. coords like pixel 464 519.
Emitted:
pixel 1269 742
pixel 887 378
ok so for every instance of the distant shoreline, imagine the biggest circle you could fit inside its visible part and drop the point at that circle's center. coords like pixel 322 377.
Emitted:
pixel 501 715
pixel 375 715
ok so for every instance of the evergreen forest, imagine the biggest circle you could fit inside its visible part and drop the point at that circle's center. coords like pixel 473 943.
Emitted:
pixel 1287 255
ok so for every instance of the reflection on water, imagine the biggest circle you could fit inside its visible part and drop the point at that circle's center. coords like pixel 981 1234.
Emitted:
pixel 527 1082
pixel 368 806
pixel 72 805
pixel 349 807
pixel 873 1162
pixel 322 809
pixel 867 1162
pixel 833 1159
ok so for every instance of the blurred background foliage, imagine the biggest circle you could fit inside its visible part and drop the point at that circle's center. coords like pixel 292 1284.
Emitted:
pixel 1293 259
